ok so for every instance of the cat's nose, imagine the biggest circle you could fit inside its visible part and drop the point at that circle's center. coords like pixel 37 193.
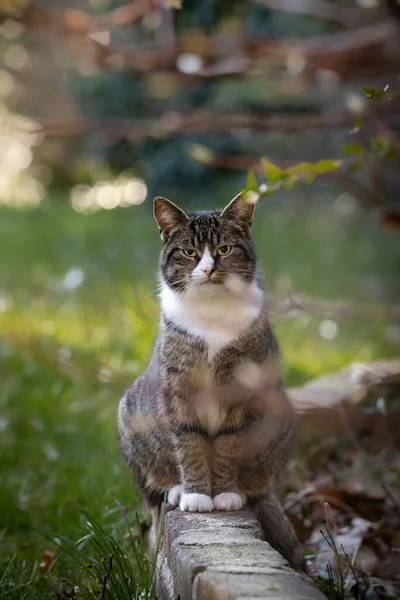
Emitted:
pixel 207 270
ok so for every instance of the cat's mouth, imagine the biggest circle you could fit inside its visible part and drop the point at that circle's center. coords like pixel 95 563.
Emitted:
pixel 212 281
pixel 208 281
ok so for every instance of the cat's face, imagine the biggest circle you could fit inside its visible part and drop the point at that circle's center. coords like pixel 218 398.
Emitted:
pixel 206 249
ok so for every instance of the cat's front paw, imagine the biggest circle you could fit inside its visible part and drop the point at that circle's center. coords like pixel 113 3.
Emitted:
pixel 196 503
pixel 174 494
pixel 228 501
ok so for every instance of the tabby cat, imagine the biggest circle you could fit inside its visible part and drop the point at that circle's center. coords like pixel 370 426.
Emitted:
pixel 208 421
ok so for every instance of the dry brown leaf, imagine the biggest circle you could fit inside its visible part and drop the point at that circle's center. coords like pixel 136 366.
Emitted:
pixel 47 559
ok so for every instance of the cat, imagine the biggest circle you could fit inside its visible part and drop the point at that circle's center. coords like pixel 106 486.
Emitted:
pixel 208 422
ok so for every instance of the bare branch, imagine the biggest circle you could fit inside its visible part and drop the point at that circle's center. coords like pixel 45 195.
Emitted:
pixel 361 192
pixel 347 17
pixel 339 309
pixel 74 20
pixel 391 136
pixel 369 36
pixel 364 50
pixel 174 123
pixel 294 498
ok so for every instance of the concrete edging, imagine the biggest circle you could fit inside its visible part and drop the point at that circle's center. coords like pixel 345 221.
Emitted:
pixel 223 556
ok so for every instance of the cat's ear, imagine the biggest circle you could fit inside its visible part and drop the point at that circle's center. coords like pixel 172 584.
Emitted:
pixel 168 215
pixel 240 210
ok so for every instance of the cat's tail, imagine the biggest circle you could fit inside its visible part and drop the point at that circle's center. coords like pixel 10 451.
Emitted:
pixel 277 528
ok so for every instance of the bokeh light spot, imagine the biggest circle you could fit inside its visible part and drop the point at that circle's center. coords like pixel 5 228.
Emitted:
pixel 328 329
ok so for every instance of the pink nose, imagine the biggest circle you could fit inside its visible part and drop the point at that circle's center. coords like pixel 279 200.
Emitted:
pixel 206 270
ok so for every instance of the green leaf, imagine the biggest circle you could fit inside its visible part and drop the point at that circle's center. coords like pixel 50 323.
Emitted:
pixel 290 183
pixel 326 166
pixel 252 182
pixel 273 172
pixel 301 168
pixel 378 143
pixel 357 125
pixel 303 171
pixel 267 190
pixel 391 154
pixel 369 92
pixel 358 121
pixel 354 166
pixel 353 148
pixel 309 179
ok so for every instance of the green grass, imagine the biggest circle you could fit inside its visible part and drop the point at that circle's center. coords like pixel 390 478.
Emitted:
pixel 67 355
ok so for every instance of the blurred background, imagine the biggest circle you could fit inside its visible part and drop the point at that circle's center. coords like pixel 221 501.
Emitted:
pixel 105 104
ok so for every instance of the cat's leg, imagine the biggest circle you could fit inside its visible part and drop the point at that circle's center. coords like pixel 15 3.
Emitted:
pixel 174 494
pixel 192 457
pixel 225 492
pixel 148 448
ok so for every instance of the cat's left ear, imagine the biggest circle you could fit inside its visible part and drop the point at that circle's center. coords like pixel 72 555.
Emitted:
pixel 168 215
pixel 240 210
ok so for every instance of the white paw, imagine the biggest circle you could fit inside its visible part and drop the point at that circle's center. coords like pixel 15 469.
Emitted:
pixel 174 494
pixel 196 503
pixel 228 501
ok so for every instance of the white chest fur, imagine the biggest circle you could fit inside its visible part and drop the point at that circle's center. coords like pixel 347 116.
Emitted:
pixel 213 312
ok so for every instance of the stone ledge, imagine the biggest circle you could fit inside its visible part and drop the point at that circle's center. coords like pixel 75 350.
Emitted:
pixel 223 556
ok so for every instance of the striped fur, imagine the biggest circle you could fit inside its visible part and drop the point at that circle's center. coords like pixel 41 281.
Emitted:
pixel 209 420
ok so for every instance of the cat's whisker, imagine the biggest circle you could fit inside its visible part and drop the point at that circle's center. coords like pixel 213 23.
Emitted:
pixel 188 292
pixel 180 283
pixel 246 272
pixel 174 279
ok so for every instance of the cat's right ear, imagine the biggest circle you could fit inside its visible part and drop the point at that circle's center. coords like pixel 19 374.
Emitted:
pixel 168 215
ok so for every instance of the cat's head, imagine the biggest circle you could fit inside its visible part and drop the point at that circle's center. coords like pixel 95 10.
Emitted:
pixel 206 248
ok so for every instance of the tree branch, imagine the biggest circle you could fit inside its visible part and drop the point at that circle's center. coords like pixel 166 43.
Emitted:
pixel 339 309
pixel 391 136
pixel 369 36
pixel 74 20
pixel 368 48
pixel 347 17
pixel 343 178
pixel 173 123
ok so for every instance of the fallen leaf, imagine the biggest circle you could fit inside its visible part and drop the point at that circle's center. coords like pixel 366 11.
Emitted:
pixel 47 559
pixel 368 502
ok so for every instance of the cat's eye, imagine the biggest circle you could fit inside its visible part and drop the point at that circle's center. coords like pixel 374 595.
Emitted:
pixel 224 250
pixel 189 252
